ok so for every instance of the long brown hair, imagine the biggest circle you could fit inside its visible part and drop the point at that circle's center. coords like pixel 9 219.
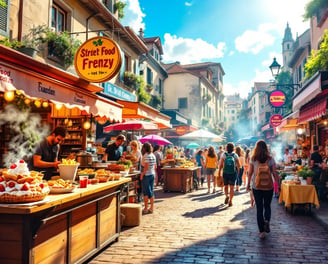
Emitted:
pixel 239 151
pixel 211 152
pixel 261 152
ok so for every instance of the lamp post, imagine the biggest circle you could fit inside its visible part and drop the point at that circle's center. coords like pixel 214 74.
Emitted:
pixel 275 69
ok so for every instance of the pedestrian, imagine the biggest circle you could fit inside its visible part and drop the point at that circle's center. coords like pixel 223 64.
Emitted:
pixel 147 176
pixel 201 163
pixel 211 163
pixel 136 154
pixel 45 157
pixel 229 162
pixel 239 181
pixel 316 163
pixel 261 168
pixel 114 150
pixel 159 157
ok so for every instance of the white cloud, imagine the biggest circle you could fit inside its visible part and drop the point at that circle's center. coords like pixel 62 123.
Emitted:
pixel 133 15
pixel 243 88
pixel 188 50
pixel 254 41
pixel 188 3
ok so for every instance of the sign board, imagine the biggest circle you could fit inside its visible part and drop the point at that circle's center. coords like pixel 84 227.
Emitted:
pixel 98 59
pixel 276 120
pixel 181 130
pixel 277 98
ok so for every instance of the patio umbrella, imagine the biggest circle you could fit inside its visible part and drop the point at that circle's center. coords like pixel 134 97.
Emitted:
pixel 156 139
pixel 192 145
pixel 131 125
pixel 199 134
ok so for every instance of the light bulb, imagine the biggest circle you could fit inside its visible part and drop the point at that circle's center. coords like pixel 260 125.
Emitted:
pixel 27 101
pixel 325 122
pixel 58 106
pixel 101 120
pixel 37 103
pixel 86 125
pixel 45 104
pixel 9 96
pixel 70 123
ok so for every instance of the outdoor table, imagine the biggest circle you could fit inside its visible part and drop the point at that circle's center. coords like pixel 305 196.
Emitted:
pixel 64 228
pixel 292 194
pixel 179 179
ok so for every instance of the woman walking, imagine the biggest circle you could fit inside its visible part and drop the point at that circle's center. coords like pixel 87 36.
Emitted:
pixel 240 153
pixel 261 168
pixel 211 163
pixel 147 176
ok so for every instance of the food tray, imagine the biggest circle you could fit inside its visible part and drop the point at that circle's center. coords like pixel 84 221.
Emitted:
pixel 62 190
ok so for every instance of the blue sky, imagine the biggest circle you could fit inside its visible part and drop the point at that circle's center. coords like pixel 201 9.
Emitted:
pixel 243 35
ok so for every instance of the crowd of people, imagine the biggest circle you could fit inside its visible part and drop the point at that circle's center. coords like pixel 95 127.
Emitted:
pixel 230 167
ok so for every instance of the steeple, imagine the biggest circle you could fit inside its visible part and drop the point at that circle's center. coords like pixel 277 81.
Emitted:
pixel 288 34
pixel 287 46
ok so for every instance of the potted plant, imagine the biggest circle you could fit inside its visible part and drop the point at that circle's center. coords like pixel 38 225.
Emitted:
pixel 119 8
pixel 306 173
pixel 61 46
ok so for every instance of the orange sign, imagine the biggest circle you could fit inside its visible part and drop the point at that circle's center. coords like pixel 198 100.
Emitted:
pixel 180 130
pixel 98 59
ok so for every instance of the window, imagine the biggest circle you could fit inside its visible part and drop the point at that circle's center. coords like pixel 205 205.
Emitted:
pixel 183 102
pixel 4 18
pixel 127 62
pixel 149 76
pixel 58 18
pixel 160 84
pixel 232 111
pixel 109 4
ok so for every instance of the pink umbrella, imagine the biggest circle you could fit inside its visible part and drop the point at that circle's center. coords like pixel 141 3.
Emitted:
pixel 156 139
pixel 131 125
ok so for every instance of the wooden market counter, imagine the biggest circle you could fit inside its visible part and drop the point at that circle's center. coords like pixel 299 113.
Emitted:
pixel 66 228
pixel 179 179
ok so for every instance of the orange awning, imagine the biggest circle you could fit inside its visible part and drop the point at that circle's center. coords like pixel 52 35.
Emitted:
pixel 139 110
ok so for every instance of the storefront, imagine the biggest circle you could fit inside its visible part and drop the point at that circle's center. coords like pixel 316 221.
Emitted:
pixel 58 96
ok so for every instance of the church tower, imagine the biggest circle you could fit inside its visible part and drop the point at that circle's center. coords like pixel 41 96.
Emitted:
pixel 287 46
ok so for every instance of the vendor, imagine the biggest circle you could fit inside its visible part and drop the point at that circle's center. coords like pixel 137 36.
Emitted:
pixel 45 157
pixel 114 150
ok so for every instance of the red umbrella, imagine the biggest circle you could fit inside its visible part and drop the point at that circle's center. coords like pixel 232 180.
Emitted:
pixel 131 125
pixel 156 139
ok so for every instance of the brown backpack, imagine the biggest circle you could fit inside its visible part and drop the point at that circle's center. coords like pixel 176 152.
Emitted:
pixel 263 178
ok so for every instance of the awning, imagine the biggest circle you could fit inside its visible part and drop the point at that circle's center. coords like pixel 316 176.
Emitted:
pixel 139 110
pixel 290 122
pixel 309 91
pixel 314 109
pixel 39 86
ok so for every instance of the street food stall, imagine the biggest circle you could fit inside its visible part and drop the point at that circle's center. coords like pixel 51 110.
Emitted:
pixel 179 175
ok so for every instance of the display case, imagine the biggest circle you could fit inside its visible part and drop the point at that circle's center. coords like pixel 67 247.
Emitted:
pixel 75 139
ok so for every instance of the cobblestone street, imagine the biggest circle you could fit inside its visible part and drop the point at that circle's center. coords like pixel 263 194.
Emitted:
pixel 198 228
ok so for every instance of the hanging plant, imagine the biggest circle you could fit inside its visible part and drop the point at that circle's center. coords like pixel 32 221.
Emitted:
pixel 62 46
pixel 119 7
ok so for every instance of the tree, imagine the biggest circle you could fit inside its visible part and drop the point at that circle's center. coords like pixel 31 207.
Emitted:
pixel 318 60
pixel 312 8
pixel 284 81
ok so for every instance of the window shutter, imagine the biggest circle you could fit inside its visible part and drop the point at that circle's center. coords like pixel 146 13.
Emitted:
pixel 4 18
pixel 122 67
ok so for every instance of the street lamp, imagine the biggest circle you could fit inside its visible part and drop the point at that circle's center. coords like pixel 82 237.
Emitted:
pixel 275 68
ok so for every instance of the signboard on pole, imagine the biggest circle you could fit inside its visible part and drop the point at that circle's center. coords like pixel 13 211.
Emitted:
pixel 276 120
pixel 98 59
pixel 277 98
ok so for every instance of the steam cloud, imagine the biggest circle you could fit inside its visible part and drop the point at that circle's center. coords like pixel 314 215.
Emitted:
pixel 27 130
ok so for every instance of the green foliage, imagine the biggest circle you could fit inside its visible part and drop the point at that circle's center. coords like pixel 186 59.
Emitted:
pixel 62 45
pixel 305 172
pixel 318 60
pixel 3 3
pixel 156 102
pixel 119 6
pixel 312 8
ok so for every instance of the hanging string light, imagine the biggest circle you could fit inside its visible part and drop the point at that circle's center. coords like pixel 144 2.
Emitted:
pixel 27 101
pixel 45 104
pixel 58 106
pixel 37 103
pixel 9 96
